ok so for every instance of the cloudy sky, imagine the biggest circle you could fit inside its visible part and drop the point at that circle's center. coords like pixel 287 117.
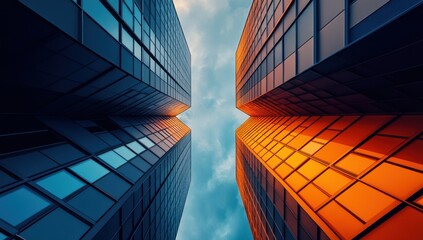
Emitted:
pixel 214 208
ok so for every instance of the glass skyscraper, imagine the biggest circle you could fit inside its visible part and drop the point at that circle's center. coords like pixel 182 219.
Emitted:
pixel 90 144
pixel 332 148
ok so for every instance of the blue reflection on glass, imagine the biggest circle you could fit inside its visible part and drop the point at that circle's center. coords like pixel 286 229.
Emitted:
pixel 127 16
pixel 102 16
pixel 56 225
pixel 90 170
pixel 136 147
pixel 2 236
pixel 20 204
pixel 115 4
pixel 61 184
pixel 147 142
pixel 127 40
pixel 125 152
pixel 113 159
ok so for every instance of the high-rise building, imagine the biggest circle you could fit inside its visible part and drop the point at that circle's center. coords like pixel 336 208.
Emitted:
pixel 331 150
pixel 90 144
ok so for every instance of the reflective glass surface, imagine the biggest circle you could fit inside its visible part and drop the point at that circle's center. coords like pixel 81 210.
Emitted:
pixel 125 152
pixel 20 204
pixel 61 184
pixel 113 159
pixel 101 15
pixel 136 147
pixel 90 170
pixel 91 203
pixel 56 225
pixel 147 142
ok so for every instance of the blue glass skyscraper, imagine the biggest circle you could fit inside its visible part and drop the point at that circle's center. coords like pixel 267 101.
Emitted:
pixel 90 144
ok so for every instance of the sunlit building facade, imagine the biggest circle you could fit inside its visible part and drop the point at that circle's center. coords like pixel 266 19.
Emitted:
pixel 90 144
pixel 331 150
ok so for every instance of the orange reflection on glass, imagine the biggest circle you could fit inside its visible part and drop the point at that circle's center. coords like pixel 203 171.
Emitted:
pixel 350 174
pixel 406 224
pixel 397 181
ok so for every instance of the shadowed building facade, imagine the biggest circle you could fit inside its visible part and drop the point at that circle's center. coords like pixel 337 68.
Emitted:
pixel 332 148
pixel 90 144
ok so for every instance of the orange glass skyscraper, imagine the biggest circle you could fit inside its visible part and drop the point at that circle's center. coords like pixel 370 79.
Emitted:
pixel 333 147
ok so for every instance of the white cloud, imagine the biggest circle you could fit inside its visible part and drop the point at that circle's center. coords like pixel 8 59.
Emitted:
pixel 208 7
pixel 212 29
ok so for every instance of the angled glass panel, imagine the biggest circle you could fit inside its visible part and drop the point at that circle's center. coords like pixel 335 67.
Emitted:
pixel 90 170
pixel 61 184
pixel 101 15
pixel 141 164
pixel 136 147
pixel 56 225
pixel 125 152
pixel 147 142
pixel 91 203
pixel 127 15
pixel 115 4
pixel 127 40
pixel 113 185
pixel 2 236
pixel 113 159
pixel 131 172
pixel 20 204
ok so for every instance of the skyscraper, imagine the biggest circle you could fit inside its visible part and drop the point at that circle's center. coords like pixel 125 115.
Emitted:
pixel 331 150
pixel 90 144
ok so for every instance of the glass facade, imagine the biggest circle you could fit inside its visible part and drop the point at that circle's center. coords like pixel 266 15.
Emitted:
pixel 101 57
pixel 313 57
pixel 336 177
pixel 90 144
pixel 124 187
pixel 331 150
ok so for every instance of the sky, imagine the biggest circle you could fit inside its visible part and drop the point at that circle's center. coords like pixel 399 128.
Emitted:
pixel 213 209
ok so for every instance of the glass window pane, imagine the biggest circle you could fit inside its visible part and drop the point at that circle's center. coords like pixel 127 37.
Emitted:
pixel 137 30
pixel 61 184
pixel 90 170
pixel 305 25
pixel 102 16
pixel 341 220
pixel 395 180
pixel 125 152
pixel 137 13
pixel 399 226
pixel 361 9
pixel 113 185
pixel 115 4
pixel 365 202
pixel 332 37
pixel 56 225
pixel 130 3
pixel 127 16
pixel 113 159
pixel 147 142
pixel 2 236
pixel 5 179
pixel 289 42
pixel 331 181
pixel 313 196
pixel 131 172
pixel 137 50
pixel 91 203
pixel 141 164
pixel 278 53
pixel 136 147
pixel 306 55
pixel 127 40
pixel 20 204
